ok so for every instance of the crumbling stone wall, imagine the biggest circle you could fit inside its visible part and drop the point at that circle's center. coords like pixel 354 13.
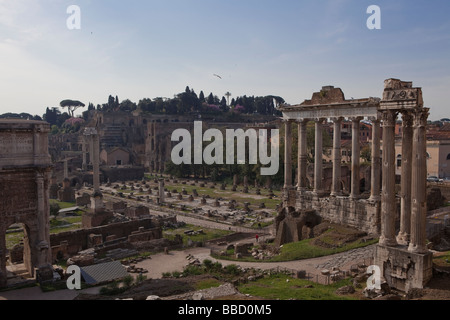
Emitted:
pixel 143 235
pixel 79 239
pixel 361 214
pixel 289 224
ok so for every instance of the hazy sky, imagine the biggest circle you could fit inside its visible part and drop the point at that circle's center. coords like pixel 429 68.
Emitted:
pixel 146 48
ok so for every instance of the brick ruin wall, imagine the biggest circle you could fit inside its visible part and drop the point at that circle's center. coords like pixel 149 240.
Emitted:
pixel 71 242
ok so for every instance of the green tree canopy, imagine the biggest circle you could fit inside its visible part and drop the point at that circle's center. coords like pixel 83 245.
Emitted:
pixel 71 106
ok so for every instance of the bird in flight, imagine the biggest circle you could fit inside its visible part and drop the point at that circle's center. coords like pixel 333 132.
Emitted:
pixel 216 75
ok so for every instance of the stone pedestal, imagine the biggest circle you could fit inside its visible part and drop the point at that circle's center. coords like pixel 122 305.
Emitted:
pixel 403 269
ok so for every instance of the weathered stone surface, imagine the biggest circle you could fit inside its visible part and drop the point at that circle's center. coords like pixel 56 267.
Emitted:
pixel 289 224
pixel 25 178
pixel 345 290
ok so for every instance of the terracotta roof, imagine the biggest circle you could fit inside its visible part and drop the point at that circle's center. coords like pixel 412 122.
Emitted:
pixel 438 135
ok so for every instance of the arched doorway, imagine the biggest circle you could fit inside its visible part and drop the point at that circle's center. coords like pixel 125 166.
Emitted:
pixel 18 253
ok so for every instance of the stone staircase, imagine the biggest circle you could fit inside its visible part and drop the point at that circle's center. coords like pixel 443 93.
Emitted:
pixel 112 137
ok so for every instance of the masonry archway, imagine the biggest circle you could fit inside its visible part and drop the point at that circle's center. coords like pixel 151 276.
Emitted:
pixel 25 172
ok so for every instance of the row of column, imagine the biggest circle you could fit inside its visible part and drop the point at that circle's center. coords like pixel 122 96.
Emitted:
pixel 336 186
pixel 413 181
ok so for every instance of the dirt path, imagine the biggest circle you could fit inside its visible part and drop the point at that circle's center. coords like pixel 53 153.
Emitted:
pixel 176 261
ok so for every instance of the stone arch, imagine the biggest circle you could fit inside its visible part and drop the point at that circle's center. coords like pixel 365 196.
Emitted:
pixel 25 174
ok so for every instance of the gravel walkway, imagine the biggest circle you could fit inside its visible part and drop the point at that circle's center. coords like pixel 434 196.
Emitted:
pixel 176 261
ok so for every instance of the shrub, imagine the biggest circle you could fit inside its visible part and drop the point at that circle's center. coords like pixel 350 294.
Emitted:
pixel 232 269
pixel 128 281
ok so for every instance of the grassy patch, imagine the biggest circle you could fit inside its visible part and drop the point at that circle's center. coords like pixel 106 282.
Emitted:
pixel 207 283
pixel 442 259
pixel 304 249
pixel 63 205
pixel 284 287
pixel 13 238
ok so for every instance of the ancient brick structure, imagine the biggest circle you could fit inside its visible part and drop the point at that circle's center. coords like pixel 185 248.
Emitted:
pixel 25 171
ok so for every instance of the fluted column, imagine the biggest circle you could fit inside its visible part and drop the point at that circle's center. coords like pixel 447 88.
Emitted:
pixel 318 165
pixel 302 156
pixel 388 207
pixel 418 184
pixel 405 195
pixel 356 154
pixel 288 155
pixel 337 158
pixel 375 182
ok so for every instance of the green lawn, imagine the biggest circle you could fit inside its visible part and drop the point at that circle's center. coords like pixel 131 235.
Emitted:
pixel 442 259
pixel 303 250
pixel 284 287
pixel 63 205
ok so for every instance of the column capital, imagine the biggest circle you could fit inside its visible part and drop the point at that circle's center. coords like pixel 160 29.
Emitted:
pixel 389 117
pixel 421 117
pixel 408 119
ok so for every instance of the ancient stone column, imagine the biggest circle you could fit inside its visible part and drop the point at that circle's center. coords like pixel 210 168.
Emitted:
pixel 419 184
pixel 405 195
pixel 356 154
pixel 318 164
pixel 96 161
pixel 302 155
pixel 66 169
pixel 337 158
pixel 43 216
pixel 388 207
pixel 91 152
pixel 161 191
pixel 376 162
pixel 288 155
pixel 85 151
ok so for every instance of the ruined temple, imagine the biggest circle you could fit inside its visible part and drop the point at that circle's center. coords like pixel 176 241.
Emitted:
pixel 401 254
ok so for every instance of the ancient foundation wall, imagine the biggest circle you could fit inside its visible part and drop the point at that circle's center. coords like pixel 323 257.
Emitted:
pixel 79 239
pixel 122 174
pixel 361 214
